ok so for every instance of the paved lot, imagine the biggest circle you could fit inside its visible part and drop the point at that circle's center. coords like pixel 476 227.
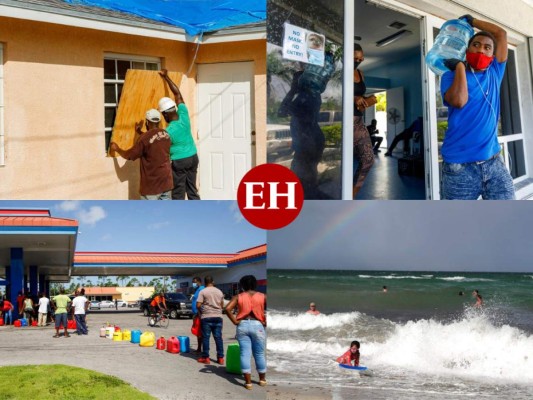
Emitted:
pixel 164 375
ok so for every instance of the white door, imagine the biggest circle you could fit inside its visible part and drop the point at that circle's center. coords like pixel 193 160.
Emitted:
pixel 224 127
pixel 395 113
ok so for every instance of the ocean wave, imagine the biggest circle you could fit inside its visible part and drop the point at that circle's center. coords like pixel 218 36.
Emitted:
pixel 306 322
pixel 465 279
pixel 471 347
pixel 393 276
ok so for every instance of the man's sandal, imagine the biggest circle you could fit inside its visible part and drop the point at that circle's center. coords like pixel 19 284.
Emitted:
pixel 248 386
pixel 262 383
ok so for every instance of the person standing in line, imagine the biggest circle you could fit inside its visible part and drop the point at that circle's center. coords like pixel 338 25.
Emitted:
pixel 28 308
pixel 8 308
pixel 44 303
pixel 80 305
pixel 197 285
pixel 251 324
pixel 183 154
pixel 61 302
pixel 210 304
pixel 20 303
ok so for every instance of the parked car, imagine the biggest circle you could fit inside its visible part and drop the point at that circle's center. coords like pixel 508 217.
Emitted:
pixel 326 118
pixel 95 305
pixel 122 303
pixel 178 305
pixel 107 304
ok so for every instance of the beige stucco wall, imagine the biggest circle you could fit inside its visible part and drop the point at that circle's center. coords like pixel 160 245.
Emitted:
pixel 54 108
pixel 132 294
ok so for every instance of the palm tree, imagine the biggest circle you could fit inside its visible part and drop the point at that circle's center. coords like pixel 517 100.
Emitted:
pixel 122 278
pixel 81 279
pixel 101 280
pixel 133 282
pixel 89 283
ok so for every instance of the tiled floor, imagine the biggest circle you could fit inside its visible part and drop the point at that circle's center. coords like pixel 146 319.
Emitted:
pixel 384 183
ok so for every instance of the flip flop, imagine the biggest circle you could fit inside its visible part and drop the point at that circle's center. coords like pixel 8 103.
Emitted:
pixel 55 336
pixel 248 386
pixel 262 383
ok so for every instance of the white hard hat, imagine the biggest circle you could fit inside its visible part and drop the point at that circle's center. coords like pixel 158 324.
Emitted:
pixel 166 103
pixel 153 115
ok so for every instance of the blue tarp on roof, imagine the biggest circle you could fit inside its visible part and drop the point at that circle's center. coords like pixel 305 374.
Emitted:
pixel 194 16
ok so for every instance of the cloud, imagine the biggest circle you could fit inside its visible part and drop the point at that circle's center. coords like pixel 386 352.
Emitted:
pixel 68 205
pixel 158 225
pixel 92 215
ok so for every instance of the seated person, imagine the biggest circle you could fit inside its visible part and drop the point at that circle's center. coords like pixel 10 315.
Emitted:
pixel 158 304
pixel 406 135
pixel 351 357
pixel 374 138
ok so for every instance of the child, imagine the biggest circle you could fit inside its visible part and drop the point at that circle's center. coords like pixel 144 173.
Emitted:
pixel 351 355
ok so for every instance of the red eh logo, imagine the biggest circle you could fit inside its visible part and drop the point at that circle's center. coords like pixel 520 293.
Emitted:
pixel 270 196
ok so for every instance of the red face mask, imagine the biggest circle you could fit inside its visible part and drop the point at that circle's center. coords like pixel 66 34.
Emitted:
pixel 478 60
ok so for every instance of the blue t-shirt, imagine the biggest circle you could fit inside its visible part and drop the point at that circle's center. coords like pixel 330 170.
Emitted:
pixel 472 130
pixel 195 299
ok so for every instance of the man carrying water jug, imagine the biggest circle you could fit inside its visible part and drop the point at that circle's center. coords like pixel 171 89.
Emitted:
pixel 472 164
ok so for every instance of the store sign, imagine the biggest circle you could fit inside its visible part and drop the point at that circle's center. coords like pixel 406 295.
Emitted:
pixel 302 45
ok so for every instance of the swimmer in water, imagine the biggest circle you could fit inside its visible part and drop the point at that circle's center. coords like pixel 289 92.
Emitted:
pixel 479 299
pixel 312 309
pixel 351 357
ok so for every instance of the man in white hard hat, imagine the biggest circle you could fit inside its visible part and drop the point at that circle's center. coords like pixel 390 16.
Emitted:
pixel 153 148
pixel 183 154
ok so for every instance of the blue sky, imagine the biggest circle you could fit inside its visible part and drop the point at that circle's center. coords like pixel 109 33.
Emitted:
pixel 155 226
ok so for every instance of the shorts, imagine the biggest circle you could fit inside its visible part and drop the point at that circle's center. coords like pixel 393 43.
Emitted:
pixel 61 319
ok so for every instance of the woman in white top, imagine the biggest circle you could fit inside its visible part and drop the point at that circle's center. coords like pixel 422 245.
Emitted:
pixel 44 304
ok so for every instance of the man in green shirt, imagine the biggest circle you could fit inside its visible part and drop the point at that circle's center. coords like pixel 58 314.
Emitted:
pixel 61 303
pixel 183 154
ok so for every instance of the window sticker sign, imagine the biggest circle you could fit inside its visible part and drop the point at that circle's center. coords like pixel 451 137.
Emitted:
pixel 302 45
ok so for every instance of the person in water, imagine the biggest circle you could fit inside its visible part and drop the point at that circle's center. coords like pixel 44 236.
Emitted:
pixel 351 357
pixel 312 309
pixel 385 289
pixel 479 299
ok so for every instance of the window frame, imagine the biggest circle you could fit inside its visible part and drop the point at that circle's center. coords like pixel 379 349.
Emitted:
pixel 116 81
pixel 504 140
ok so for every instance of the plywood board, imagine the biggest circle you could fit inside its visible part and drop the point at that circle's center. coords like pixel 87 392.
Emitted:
pixel 142 91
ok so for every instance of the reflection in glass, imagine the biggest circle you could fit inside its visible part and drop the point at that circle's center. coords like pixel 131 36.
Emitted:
pixel 304 128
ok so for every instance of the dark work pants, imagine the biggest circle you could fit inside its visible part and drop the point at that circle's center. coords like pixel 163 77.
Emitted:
pixel 184 173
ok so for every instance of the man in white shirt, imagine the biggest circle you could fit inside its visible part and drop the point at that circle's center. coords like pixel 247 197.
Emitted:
pixel 79 305
pixel 44 304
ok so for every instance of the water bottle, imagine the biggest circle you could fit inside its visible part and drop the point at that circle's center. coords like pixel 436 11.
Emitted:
pixel 451 42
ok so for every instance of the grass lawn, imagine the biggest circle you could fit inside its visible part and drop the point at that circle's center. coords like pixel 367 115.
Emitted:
pixel 63 382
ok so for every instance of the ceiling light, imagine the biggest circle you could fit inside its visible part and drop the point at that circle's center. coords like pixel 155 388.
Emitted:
pixel 393 38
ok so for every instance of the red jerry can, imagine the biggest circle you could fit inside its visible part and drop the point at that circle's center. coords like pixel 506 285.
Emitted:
pixel 161 343
pixel 173 345
pixel 71 324
pixel 17 323
pixel 117 328
pixel 1 322
pixel 33 323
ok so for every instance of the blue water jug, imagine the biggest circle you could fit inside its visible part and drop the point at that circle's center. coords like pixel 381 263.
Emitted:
pixel 185 346
pixel 23 322
pixel 136 336
pixel 451 42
